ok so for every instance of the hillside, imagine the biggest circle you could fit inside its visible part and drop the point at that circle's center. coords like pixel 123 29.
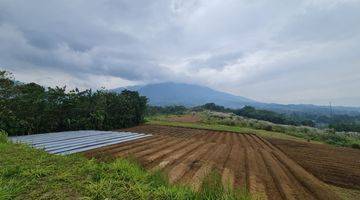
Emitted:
pixel 169 93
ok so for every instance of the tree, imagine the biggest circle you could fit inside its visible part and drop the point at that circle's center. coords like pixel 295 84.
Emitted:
pixel 30 108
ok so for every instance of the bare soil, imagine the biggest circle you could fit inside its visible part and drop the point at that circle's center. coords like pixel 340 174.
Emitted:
pixel 185 118
pixel 334 165
pixel 244 160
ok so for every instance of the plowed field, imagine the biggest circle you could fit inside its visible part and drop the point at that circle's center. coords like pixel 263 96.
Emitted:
pixel 334 165
pixel 244 160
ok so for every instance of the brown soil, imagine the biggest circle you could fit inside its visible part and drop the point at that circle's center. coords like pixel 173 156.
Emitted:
pixel 184 118
pixel 334 165
pixel 244 160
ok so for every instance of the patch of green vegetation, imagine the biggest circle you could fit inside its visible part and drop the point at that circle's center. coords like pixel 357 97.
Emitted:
pixel 272 116
pixel 212 189
pixel 155 110
pixel 159 117
pixel 27 173
pixel 346 193
pixel 3 136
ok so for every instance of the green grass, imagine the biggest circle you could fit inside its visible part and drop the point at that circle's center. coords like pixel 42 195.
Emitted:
pixel 3 136
pixel 213 189
pixel 27 173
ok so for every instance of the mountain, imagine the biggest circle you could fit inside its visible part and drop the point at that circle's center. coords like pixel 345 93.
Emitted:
pixel 169 93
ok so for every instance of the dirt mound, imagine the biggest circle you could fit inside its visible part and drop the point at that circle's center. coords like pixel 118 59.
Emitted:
pixel 244 160
pixel 334 165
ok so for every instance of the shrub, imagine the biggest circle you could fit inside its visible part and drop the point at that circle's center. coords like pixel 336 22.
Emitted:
pixel 268 128
pixel 355 146
pixel 3 137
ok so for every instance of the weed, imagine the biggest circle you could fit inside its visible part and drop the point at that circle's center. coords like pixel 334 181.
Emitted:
pixel 212 189
pixel 3 137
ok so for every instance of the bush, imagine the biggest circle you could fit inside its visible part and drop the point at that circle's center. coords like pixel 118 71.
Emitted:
pixel 3 137
pixel 268 128
pixel 355 146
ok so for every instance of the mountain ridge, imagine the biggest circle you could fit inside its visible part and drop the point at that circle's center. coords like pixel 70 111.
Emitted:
pixel 171 93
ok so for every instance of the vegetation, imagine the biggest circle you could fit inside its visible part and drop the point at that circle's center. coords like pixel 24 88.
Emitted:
pixel 3 137
pixel 339 123
pixel 271 116
pixel 346 123
pixel 212 107
pixel 348 126
pixel 156 110
pixel 30 108
pixel 27 173
pixel 328 136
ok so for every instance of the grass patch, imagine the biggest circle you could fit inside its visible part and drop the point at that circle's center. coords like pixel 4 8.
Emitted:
pixel 3 137
pixel 345 193
pixel 27 173
pixel 212 189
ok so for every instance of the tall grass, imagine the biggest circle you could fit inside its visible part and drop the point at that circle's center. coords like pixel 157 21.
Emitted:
pixel 213 189
pixel 3 137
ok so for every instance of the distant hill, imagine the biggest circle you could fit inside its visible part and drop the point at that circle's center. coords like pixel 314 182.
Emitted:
pixel 169 93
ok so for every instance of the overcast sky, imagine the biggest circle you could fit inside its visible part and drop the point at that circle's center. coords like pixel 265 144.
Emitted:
pixel 272 51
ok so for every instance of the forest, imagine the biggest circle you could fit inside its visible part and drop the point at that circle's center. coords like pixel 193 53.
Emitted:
pixel 30 108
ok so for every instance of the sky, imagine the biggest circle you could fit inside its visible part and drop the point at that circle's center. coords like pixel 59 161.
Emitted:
pixel 271 51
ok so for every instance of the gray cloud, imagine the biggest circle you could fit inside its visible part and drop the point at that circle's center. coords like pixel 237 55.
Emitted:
pixel 287 52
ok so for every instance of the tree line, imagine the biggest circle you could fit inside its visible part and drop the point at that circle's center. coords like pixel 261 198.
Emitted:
pixel 273 117
pixel 31 108
pixel 175 110
pixel 266 115
pixel 345 123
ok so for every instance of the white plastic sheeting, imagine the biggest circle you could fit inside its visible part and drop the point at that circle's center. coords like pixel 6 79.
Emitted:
pixel 69 142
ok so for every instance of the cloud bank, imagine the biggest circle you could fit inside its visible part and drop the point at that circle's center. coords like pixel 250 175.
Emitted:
pixel 286 52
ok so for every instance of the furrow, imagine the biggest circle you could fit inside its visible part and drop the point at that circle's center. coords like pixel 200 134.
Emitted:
pixel 215 161
pixel 255 183
pixel 228 173
pixel 168 159
pixel 279 177
pixel 301 192
pixel 137 148
pixel 212 138
pixel 239 164
pixel 151 148
pixel 108 149
pixel 178 168
pixel 156 155
pixel 272 192
pixel 317 188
